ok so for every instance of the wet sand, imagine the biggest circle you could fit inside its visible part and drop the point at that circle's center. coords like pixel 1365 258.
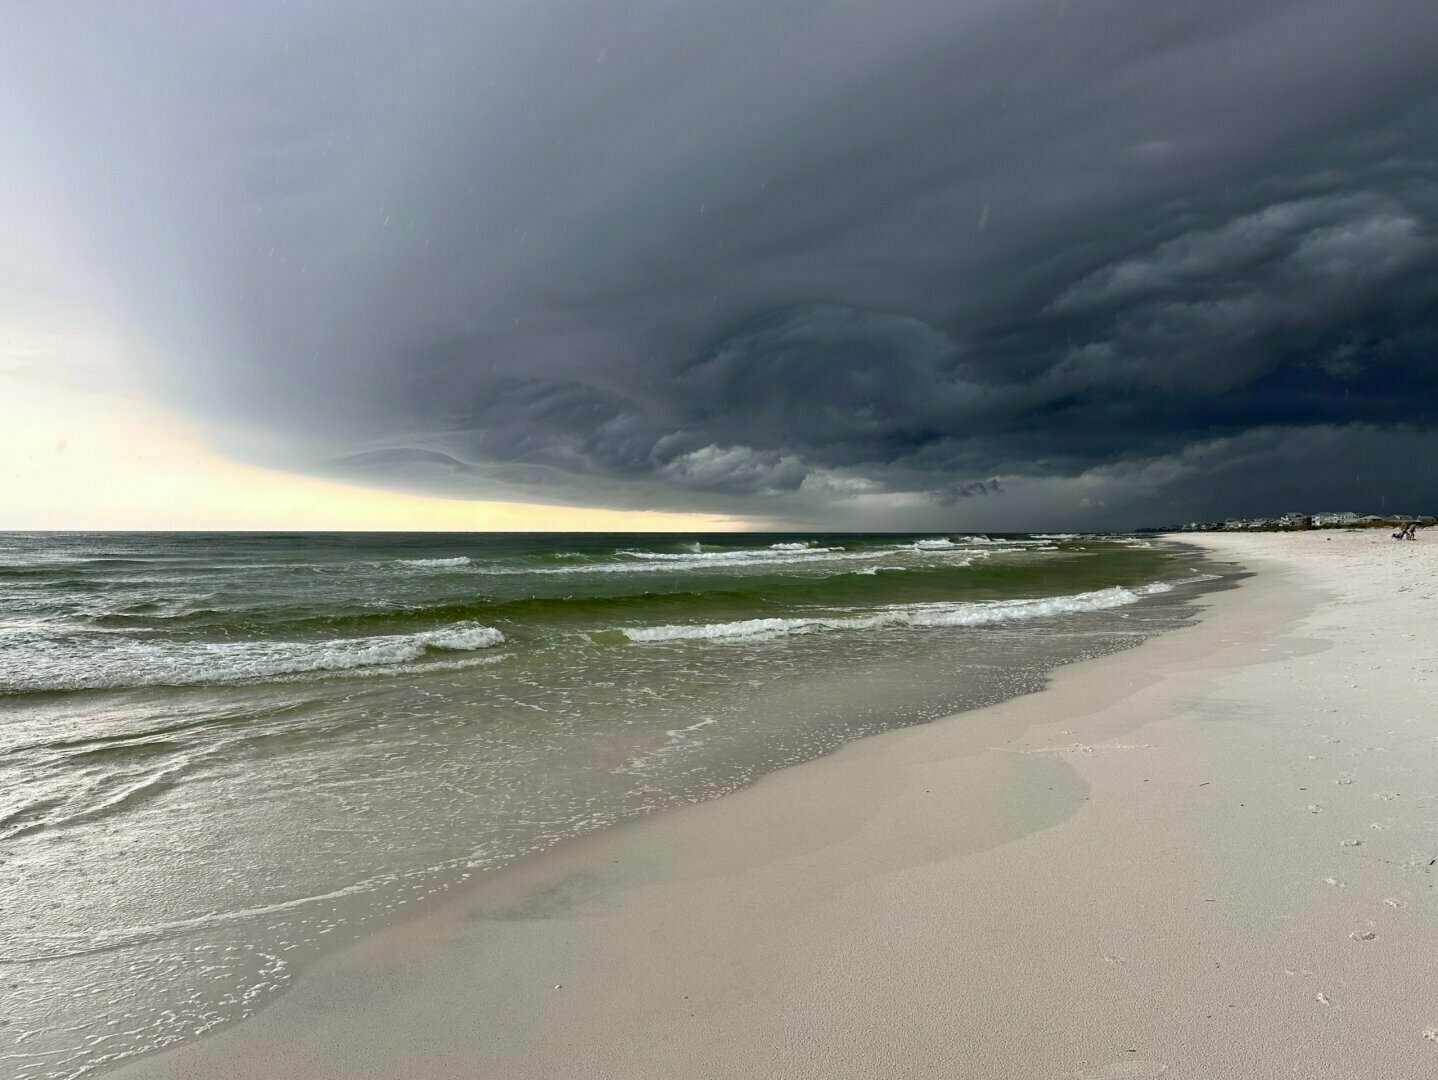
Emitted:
pixel 1212 855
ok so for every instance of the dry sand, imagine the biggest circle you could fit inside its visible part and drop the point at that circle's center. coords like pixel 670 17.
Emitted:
pixel 1212 856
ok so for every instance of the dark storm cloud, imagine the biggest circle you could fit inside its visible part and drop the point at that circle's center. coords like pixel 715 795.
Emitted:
pixel 998 263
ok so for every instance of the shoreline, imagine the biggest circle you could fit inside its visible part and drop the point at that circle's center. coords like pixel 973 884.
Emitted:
pixel 997 894
pixel 381 798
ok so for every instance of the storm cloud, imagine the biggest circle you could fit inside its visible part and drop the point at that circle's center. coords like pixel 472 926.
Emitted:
pixel 993 263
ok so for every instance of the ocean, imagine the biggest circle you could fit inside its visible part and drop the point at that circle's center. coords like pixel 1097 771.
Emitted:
pixel 224 753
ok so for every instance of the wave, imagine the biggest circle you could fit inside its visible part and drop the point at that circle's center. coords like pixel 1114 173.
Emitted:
pixel 54 813
pixel 437 564
pixel 117 664
pixel 506 613
pixel 697 555
pixel 982 613
pixel 74 945
pixel 779 555
pixel 826 578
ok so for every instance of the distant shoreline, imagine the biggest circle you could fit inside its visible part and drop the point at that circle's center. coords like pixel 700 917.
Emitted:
pixel 1423 521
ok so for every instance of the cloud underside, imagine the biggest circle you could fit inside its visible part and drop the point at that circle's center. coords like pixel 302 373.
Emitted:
pixel 1002 264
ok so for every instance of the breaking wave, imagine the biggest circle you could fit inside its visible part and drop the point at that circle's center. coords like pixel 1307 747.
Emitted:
pixel 700 556
pixel 44 665
pixel 981 613
pixel 777 555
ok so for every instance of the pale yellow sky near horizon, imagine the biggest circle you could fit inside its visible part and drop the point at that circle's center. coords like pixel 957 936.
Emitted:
pixel 83 448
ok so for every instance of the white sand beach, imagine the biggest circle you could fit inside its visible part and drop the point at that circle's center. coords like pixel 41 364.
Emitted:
pixel 1210 856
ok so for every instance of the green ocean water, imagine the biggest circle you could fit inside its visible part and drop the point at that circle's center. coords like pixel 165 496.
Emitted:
pixel 220 753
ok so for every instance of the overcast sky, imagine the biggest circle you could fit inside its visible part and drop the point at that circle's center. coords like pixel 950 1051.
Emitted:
pixel 921 264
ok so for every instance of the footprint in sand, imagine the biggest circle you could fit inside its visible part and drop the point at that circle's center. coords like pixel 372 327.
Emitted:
pixel 1393 902
pixel 1352 843
pixel 1386 796
pixel 1364 935
pixel 1122 1070
pixel 1431 1034
pixel 1344 779
pixel 1315 808
pixel 1334 882
pixel 1323 999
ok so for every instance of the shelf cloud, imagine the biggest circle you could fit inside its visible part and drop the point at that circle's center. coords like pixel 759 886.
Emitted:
pixel 995 264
